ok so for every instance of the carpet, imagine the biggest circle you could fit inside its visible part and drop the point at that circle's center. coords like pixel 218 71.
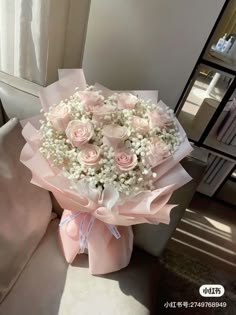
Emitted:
pixel 180 281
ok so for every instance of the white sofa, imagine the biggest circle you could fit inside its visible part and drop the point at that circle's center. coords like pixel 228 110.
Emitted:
pixel 49 286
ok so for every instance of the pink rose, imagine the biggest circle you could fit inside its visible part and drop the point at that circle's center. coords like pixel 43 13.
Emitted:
pixel 158 118
pixel 100 113
pixel 140 124
pixel 114 135
pixel 59 117
pixel 79 132
pixel 158 151
pixel 92 100
pixel 89 155
pixel 126 100
pixel 125 161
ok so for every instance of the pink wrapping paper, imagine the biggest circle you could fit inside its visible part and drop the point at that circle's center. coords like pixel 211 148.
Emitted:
pixel 107 253
pixel 112 255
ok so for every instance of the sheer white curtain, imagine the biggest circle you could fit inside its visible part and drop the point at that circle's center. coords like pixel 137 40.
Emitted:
pixel 24 26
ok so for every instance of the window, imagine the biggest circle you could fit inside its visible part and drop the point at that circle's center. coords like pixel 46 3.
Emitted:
pixel 38 37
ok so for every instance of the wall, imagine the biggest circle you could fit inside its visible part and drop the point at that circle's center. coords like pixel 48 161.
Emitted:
pixel 137 44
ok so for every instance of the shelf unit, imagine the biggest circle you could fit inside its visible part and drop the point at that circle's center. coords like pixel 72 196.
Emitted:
pixel 203 105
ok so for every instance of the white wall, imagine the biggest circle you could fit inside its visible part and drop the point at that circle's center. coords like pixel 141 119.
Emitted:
pixel 147 44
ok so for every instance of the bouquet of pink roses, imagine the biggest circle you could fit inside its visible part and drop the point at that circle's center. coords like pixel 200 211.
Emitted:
pixel 110 159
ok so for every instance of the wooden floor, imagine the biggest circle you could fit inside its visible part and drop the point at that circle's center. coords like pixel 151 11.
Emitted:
pixel 208 231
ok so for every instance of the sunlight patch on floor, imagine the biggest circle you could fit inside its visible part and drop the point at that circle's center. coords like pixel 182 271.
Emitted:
pixel 207 229
pixel 205 241
pixel 203 228
pixel 200 250
pixel 219 225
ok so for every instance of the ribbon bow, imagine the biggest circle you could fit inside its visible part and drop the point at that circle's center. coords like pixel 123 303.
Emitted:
pixel 82 228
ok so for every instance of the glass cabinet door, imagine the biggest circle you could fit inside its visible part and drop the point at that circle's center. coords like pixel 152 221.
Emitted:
pixel 203 96
pixel 222 135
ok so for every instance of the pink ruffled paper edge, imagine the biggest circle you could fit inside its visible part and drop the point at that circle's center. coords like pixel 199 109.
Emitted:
pixel 63 88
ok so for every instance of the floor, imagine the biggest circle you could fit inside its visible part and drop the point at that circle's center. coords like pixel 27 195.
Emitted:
pixel 208 231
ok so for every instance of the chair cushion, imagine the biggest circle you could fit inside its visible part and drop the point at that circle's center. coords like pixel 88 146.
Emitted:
pixel 49 286
pixel 25 209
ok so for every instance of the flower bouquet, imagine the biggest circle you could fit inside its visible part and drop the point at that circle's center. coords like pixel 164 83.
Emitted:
pixel 110 159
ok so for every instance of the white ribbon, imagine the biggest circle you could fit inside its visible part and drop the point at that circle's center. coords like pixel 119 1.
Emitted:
pixel 84 235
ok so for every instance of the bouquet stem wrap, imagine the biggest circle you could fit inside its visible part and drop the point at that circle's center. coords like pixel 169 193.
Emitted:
pixel 95 221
